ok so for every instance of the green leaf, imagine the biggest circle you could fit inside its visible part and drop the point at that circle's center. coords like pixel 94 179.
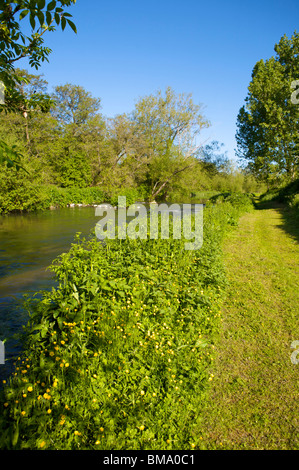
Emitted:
pixel 15 436
pixel 23 14
pixel 41 17
pixel 72 25
pixel 48 17
pixel 41 362
pixel 57 18
pixel 32 21
pixel 41 4
pixel 63 23
pixel 51 5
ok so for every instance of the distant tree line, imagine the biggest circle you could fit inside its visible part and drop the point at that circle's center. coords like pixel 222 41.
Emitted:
pixel 155 148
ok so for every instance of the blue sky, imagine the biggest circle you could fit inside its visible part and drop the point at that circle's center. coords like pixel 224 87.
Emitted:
pixel 128 49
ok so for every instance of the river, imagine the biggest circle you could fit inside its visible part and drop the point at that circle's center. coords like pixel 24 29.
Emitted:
pixel 28 245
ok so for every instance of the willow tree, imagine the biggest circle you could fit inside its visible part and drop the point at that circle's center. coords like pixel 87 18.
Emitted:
pixel 170 126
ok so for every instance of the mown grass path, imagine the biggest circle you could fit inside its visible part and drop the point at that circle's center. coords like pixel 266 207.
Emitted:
pixel 254 399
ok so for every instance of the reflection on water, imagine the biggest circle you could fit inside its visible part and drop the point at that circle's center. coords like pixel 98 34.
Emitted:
pixel 28 245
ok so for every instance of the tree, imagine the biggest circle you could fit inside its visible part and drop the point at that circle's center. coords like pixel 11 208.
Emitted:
pixel 81 129
pixel 128 153
pixel 74 105
pixel 213 161
pixel 170 125
pixel 268 124
pixel 43 16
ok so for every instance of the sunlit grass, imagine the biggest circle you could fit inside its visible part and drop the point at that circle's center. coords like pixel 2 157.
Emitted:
pixel 254 401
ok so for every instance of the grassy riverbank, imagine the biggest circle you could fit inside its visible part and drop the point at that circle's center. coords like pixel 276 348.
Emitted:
pixel 253 403
pixel 120 355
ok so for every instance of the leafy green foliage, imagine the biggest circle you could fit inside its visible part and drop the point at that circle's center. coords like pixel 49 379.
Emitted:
pixel 10 155
pixel 71 145
pixel 16 45
pixel 119 355
pixel 268 124
pixel 288 194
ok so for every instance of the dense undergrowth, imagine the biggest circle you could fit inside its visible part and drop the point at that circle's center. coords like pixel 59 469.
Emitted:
pixel 288 194
pixel 120 354
pixel 31 197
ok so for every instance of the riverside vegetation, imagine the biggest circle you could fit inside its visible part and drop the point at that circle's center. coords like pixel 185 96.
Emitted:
pixel 120 354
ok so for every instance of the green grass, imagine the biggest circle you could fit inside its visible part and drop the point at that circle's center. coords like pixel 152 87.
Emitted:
pixel 254 400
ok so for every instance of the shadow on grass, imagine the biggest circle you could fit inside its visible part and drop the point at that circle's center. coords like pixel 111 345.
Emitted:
pixel 290 216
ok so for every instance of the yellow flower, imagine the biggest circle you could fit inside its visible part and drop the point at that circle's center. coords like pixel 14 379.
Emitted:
pixel 101 429
pixel 24 395
pixel 62 421
pixel 29 389
pixel 42 444
pixel 23 413
pixel 49 411
pixel 142 392
pixel 97 443
pixel 66 364
pixel 141 427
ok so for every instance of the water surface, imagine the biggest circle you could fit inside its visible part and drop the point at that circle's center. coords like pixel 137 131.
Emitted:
pixel 28 245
